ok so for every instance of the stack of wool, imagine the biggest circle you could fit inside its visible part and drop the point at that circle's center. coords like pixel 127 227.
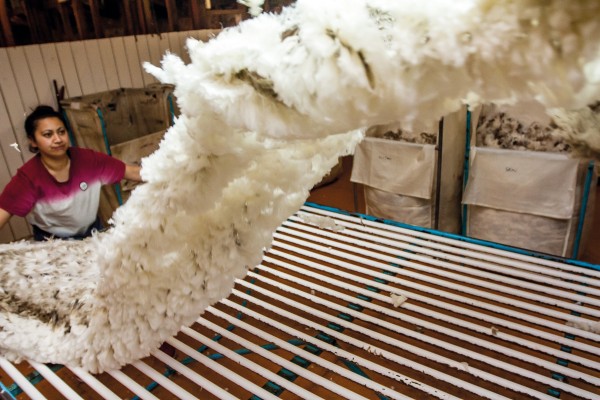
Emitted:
pixel 402 136
pixel 263 109
pixel 581 129
pixel 497 129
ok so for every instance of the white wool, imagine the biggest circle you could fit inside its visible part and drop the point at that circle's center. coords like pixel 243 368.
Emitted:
pixel 322 222
pixel 254 6
pixel 264 107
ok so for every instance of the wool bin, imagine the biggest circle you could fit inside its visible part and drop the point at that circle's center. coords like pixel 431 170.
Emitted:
pixel 101 121
pixel 407 178
pixel 523 189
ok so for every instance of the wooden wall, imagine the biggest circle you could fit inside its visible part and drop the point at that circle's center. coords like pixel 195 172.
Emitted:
pixel 82 67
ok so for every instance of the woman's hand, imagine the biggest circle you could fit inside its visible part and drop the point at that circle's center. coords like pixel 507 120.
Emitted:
pixel 132 173
pixel 4 217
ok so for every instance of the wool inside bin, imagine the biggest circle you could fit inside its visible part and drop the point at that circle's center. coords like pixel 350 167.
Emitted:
pixel 103 120
pixel 537 198
pixel 407 178
pixel 398 179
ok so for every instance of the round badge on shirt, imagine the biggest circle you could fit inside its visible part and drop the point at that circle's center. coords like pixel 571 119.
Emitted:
pixel 83 186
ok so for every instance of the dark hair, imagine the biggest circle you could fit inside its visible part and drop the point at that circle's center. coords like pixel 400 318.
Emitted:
pixel 32 119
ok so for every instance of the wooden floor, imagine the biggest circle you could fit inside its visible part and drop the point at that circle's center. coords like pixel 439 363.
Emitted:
pixel 343 194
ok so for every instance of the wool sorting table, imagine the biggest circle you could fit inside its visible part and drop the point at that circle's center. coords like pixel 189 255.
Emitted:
pixel 345 306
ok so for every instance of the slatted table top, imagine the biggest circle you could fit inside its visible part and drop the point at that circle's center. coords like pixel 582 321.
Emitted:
pixel 348 307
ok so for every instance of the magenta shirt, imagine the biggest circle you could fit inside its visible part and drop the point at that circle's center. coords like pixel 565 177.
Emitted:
pixel 62 208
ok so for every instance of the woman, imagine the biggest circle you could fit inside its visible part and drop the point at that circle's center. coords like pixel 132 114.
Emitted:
pixel 58 190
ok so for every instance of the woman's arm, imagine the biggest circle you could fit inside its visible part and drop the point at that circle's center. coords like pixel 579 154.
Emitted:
pixel 4 217
pixel 132 173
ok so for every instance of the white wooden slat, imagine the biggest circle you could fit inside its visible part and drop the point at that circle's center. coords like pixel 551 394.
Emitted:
pixel 108 63
pixel 29 100
pixel 183 37
pixel 51 64
pixel 144 56
pixel 69 71
pixel 17 227
pixel 14 104
pixel 133 60
pixel 13 158
pixel 23 78
pixel 174 43
pixel 154 49
pixel 41 81
pixel 6 233
pixel 82 65
pixel 164 45
pixel 92 50
pixel 120 57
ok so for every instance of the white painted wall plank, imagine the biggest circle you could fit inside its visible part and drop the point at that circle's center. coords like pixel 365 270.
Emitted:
pixel 82 65
pixel 183 37
pixel 154 49
pixel 52 65
pixel 108 64
pixel 69 71
pixel 121 62
pixel 13 101
pixel 144 56
pixel 164 45
pixel 17 228
pixel 92 50
pixel 174 43
pixel 133 60
pixel 40 79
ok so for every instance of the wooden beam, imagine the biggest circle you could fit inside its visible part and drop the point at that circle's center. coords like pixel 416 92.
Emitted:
pixel 172 20
pixel 65 20
pixel 198 10
pixel 129 24
pixel 79 18
pixel 96 20
pixel 148 17
pixel 6 28
pixel 141 16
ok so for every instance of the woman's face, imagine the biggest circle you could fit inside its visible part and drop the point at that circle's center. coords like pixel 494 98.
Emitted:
pixel 50 137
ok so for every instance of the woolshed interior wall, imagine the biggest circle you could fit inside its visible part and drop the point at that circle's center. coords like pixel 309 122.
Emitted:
pixel 82 67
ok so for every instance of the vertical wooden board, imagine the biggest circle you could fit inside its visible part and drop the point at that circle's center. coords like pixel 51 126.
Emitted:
pixel 41 81
pixel 144 55
pixel 82 65
pixel 69 71
pixel 92 49
pixel 174 44
pixel 204 34
pixel 154 49
pixel 133 60
pixel 120 57
pixel 185 55
pixel 19 227
pixel 10 161
pixel 11 156
pixel 52 65
pixel 108 62
pixel 6 234
pixel 163 45
pixel 14 105
pixel 23 78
